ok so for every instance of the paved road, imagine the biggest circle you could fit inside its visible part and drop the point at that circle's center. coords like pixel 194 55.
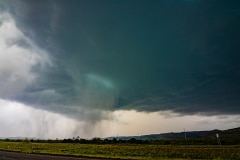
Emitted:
pixel 23 156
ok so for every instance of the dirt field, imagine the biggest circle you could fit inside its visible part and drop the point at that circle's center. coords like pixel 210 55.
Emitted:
pixel 23 156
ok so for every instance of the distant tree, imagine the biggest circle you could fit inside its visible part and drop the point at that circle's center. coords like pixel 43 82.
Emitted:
pixel 114 140
pixel 96 140
pixel 26 140
pixel 132 140
pixel 83 141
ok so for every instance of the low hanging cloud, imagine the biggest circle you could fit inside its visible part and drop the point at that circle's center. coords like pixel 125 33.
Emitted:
pixel 28 75
pixel 18 56
pixel 84 63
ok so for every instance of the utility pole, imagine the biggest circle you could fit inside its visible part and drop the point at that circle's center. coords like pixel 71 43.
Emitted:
pixel 185 135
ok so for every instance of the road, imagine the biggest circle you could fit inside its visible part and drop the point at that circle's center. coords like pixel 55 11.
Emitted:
pixel 4 155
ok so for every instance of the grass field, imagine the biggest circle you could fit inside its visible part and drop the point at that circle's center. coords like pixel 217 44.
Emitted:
pixel 127 151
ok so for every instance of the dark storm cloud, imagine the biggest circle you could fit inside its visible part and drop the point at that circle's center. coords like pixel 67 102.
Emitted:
pixel 148 56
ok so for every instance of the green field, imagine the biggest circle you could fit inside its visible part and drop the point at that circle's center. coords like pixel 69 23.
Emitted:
pixel 127 151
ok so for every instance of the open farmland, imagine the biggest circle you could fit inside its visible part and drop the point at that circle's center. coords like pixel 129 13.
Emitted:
pixel 127 151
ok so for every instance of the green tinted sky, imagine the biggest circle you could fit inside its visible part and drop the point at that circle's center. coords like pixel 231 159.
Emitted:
pixel 177 55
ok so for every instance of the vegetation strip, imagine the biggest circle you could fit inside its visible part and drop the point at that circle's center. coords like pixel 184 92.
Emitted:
pixel 127 151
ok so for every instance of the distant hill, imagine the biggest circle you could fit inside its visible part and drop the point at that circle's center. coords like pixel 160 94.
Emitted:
pixel 17 138
pixel 230 133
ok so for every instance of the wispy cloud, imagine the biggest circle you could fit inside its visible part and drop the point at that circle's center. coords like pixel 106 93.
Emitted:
pixel 18 55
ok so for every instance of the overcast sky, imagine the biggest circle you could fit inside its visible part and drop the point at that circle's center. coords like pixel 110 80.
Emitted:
pixel 100 68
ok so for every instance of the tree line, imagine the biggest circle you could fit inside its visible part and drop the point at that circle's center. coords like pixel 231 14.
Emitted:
pixel 193 141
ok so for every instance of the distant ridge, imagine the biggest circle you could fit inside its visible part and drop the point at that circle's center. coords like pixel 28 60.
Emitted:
pixel 232 133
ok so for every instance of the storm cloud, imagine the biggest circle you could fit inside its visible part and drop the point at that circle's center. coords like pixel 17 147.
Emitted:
pixel 91 57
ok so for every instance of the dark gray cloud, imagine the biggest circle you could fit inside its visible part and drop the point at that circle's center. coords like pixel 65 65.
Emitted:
pixel 148 56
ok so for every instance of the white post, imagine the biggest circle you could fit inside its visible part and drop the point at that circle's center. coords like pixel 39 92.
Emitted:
pixel 218 139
